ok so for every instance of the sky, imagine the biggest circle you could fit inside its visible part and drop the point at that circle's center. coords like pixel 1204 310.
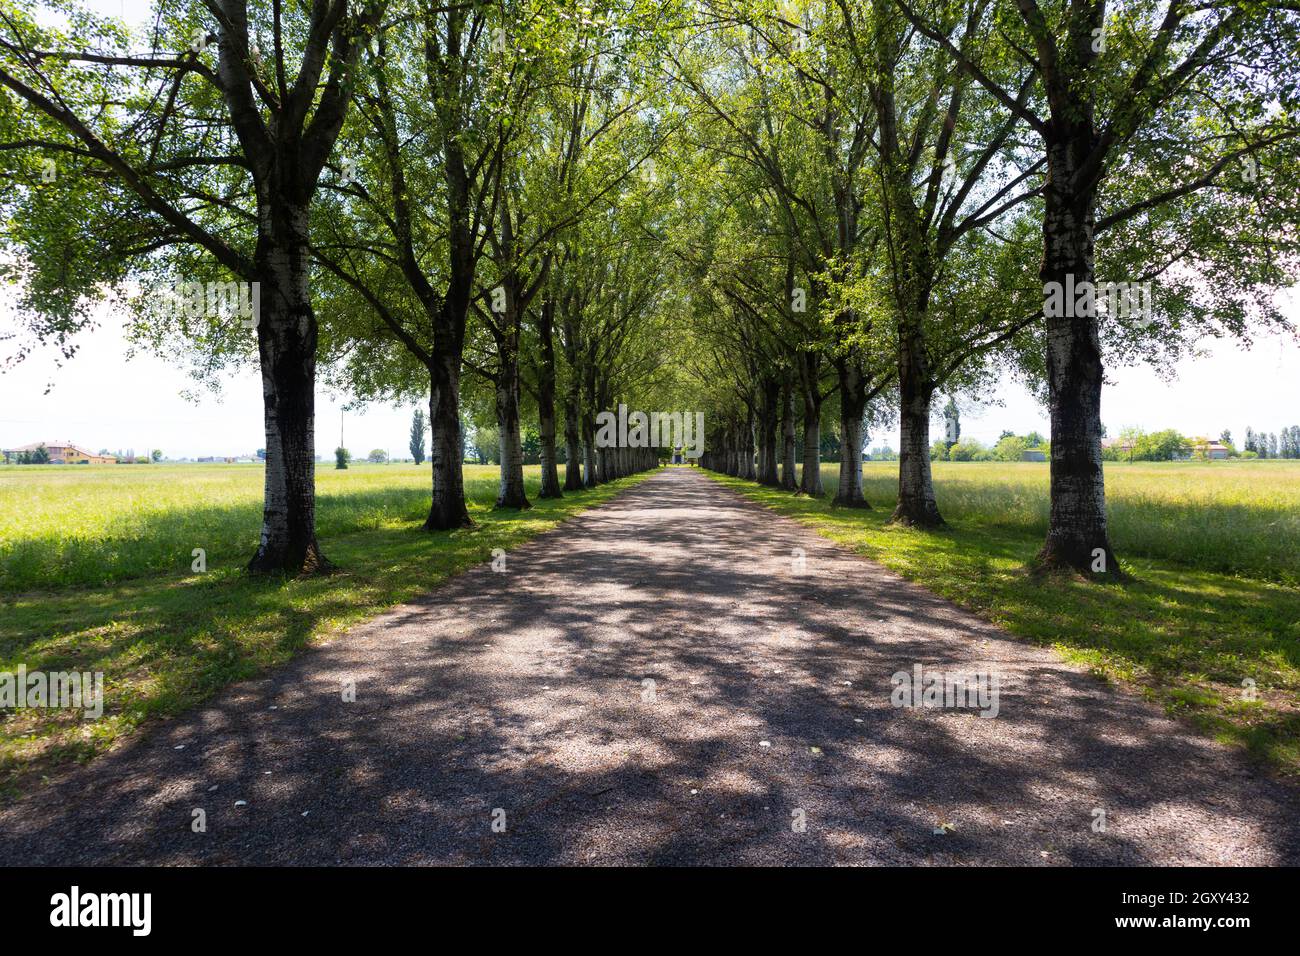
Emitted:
pixel 100 400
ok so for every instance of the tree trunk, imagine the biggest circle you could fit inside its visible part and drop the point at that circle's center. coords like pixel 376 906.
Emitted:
pixel 590 458
pixel 1077 536
pixel 447 509
pixel 572 440
pixel 591 454
pixel 286 344
pixel 769 409
pixel 853 403
pixel 546 403
pixel 916 502
pixel 745 439
pixel 788 438
pixel 810 479
pixel 511 493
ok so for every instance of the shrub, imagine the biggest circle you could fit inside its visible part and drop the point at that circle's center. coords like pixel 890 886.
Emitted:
pixel 969 450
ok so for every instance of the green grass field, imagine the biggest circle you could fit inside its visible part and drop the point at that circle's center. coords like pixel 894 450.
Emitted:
pixel 1240 518
pixel 1214 553
pixel 63 525
pixel 95 576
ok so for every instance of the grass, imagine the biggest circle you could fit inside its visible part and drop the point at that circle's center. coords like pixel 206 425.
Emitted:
pixel 166 638
pixel 1206 608
pixel 1239 518
pixel 66 525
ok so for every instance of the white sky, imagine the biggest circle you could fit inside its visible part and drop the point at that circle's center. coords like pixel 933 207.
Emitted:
pixel 100 400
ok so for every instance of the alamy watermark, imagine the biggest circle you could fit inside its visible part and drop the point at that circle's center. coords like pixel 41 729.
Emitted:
pixel 977 690
pixel 53 690
pixel 1115 300
pixel 214 300
pixel 75 908
pixel 656 430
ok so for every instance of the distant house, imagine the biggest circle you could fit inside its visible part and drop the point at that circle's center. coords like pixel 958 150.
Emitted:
pixel 63 453
pixel 1033 454
pixel 1212 450
pixel 1120 446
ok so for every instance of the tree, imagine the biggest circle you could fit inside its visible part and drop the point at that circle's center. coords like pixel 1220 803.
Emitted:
pixel 969 450
pixel 203 162
pixel 156 455
pixel 1010 448
pixel 485 444
pixel 1146 125
pixel 41 456
pixel 1160 446
pixel 949 169
pixel 417 436
pixel 951 423
pixel 377 456
pixel 341 458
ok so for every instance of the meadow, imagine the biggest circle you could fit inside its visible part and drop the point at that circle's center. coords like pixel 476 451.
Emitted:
pixel 96 576
pixel 1208 623
pixel 1240 518
pixel 77 525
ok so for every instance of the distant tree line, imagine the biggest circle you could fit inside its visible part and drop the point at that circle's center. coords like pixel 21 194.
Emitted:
pixel 1283 444
pixel 1009 447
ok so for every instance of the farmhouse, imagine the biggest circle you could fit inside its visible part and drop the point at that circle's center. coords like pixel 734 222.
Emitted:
pixel 1211 449
pixel 62 453
pixel 1033 454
